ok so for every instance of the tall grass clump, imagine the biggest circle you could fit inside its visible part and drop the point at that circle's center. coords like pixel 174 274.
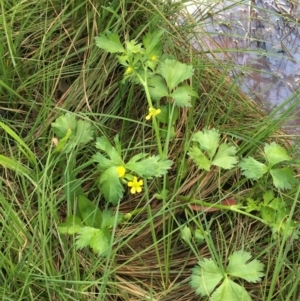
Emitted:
pixel 132 167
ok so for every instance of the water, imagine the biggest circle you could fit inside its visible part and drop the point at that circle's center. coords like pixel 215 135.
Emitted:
pixel 261 39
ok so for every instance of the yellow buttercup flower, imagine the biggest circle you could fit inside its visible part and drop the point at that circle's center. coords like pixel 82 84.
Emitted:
pixel 153 58
pixel 135 185
pixel 153 112
pixel 121 171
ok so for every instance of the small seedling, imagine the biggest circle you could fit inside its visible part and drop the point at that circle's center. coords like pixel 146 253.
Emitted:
pixel 208 151
pixel 218 282
pixel 283 177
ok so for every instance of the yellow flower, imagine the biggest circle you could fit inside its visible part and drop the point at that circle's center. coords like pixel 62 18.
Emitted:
pixel 153 58
pixel 135 185
pixel 152 112
pixel 121 171
pixel 128 70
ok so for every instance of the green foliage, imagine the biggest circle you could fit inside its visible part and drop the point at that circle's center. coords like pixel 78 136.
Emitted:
pixel 166 78
pixel 252 169
pixel 115 159
pixel 71 132
pixel 199 235
pixel 91 226
pixel 208 151
pixel 157 87
pixel 240 266
pixel 109 42
pixel 162 85
pixel 71 226
pixel 109 181
pixel 88 212
pixel 274 211
pixel 110 185
pixel 174 72
pixel 149 167
pixel 207 276
pixel 141 165
pixel 152 42
pixel 283 178
pixel 186 234
pixel 99 240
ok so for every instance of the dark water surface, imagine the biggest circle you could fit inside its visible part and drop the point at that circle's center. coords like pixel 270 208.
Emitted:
pixel 262 39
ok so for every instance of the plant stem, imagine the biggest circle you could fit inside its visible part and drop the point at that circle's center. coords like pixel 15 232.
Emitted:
pixel 234 208
pixel 155 125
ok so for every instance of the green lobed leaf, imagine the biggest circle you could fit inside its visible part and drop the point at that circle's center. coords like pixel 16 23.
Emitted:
pixel 251 205
pixel 109 219
pixel 84 236
pixel 100 242
pixel 104 144
pixel 118 144
pixel 89 212
pixel 268 197
pixel 277 204
pixel 268 214
pixel 230 291
pixel 252 169
pixel 174 72
pixel 71 226
pixel 225 156
pixel 205 277
pixel 157 87
pixel 199 158
pixel 72 132
pixel 137 157
pixel 110 185
pixel 286 227
pixel 152 40
pixel 123 60
pixel 208 140
pixel 109 42
pixel 240 267
pixel 275 154
pixel 63 123
pixel 149 167
pixel 103 162
pixel 152 63
pixel 132 47
pixel 283 178
pixel 84 132
pixel 182 96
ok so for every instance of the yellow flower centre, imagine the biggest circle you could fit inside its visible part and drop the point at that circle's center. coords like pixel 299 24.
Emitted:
pixel 135 185
pixel 153 112
pixel 121 171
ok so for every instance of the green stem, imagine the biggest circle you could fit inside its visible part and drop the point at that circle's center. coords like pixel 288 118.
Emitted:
pixel 155 125
pixel 233 208
pixel 166 147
